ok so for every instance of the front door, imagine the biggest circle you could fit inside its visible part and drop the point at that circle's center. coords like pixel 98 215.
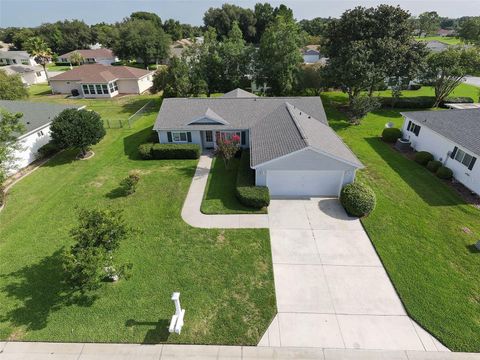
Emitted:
pixel 208 139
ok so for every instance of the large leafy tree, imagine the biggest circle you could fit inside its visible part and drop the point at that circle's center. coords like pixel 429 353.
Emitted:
pixel 278 57
pixel 105 34
pixel 264 15
pixel 469 30
pixel 142 39
pixel 21 36
pixel 222 19
pixel 428 22
pixel 11 87
pixel 447 69
pixel 65 36
pixel 366 46
pixel 177 80
pixel 78 129
pixel 145 15
pixel 39 49
pixel 315 26
pixel 10 128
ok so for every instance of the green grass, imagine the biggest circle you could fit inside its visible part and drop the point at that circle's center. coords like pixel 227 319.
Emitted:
pixel 418 229
pixel 54 67
pixel 462 90
pixel 219 197
pixel 444 39
pixel 224 276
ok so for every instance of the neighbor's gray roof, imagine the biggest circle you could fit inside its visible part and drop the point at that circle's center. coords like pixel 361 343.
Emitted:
pixel 35 114
pixel 239 93
pixel 459 126
pixel 289 129
pixel 273 123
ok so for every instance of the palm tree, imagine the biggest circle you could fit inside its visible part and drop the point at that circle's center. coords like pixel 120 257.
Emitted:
pixel 76 58
pixel 39 49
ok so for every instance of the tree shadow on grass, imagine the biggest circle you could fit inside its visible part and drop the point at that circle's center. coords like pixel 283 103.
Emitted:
pixel 39 290
pixel 63 158
pixel 431 189
pixel 158 334
pixel 133 106
pixel 131 142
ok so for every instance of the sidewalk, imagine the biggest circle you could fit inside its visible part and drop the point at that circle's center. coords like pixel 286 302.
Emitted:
pixel 80 351
pixel 192 215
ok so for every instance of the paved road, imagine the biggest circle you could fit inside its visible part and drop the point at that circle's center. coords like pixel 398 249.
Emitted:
pixel 331 288
pixel 472 80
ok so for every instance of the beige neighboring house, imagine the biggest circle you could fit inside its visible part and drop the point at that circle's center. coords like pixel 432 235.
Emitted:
pixel 29 74
pixel 102 81
pixel 16 58
pixel 91 56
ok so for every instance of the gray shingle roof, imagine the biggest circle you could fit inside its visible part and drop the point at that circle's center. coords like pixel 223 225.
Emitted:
pixel 35 114
pixel 239 93
pixel 459 126
pixel 278 125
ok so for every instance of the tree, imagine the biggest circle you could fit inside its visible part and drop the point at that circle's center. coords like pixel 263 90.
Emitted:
pixel 227 148
pixel 105 34
pixel 310 79
pixel 428 22
pixel 76 58
pixel 12 87
pixel 174 29
pixel 278 57
pixel 142 39
pixel 145 15
pixel 469 30
pixel 174 81
pixel 10 127
pixel 314 27
pixel 222 19
pixel 74 128
pixel 264 15
pixel 447 69
pixel 367 46
pixel 39 49
pixel 91 259
pixel 65 36
pixel 360 106
pixel 22 36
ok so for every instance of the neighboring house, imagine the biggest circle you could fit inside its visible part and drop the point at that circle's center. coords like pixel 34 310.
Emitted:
pixel 452 136
pixel 91 56
pixel 100 81
pixel 36 118
pixel 292 149
pixel 16 58
pixel 310 54
pixel 446 32
pixel 29 74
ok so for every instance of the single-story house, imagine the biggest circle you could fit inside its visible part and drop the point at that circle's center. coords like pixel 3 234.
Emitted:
pixel 446 32
pixel 16 57
pixel 36 118
pixel 91 56
pixel 102 81
pixel 311 54
pixel 28 73
pixel 292 149
pixel 452 136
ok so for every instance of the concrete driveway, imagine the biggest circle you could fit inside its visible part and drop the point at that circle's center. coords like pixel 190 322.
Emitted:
pixel 332 290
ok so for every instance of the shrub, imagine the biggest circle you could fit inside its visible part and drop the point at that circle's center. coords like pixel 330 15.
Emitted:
pixel 417 102
pixel 456 100
pixel 358 199
pixel 48 149
pixel 423 157
pixel 360 106
pixel 145 151
pixel 247 193
pixel 444 172
pixel 129 184
pixel 415 87
pixel 175 151
pixel 434 165
pixel 391 134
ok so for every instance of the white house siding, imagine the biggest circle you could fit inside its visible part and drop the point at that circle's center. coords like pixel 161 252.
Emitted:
pixel 310 59
pixel 303 162
pixel 196 138
pixel 133 86
pixel 30 145
pixel 145 83
pixel 107 61
pixel 440 147
pixel 64 87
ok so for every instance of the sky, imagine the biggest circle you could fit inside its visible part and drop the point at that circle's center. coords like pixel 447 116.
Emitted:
pixel 35 12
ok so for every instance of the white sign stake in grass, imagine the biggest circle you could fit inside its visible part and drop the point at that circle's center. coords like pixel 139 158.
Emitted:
pixel 177 320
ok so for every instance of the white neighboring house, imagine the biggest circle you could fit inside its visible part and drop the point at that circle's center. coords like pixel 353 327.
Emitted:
pixel 36 118
pixel 293 151
pixel 29 74
pixel 91 56
pixel 16 58
pixel 452 136
pixel 102 81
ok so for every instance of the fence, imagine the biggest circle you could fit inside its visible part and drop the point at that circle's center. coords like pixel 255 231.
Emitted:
pixel 121 123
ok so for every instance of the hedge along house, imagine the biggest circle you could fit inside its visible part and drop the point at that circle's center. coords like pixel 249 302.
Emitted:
pixel 36 119
pixel 452 137
pixel 292 149
pixel 102 81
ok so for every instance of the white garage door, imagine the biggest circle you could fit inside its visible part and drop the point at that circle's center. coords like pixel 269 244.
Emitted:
pixel 304 183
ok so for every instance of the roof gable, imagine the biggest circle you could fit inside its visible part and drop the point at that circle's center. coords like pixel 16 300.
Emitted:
pixel 210 117
pixel 239 93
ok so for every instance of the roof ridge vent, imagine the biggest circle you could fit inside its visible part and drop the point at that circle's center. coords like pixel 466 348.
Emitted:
pixel 291 109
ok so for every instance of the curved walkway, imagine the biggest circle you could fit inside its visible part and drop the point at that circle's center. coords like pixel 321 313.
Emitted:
pixel 192 215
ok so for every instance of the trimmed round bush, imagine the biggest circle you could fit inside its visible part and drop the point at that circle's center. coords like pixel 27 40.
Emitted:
pixel 358 199
pixel 391 135
pixel 423 157
pixel 253 196
pixel 444 172
pixel 145 151
pixel 434 165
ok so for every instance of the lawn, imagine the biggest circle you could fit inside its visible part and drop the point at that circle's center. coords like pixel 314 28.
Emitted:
pixel 422 230
pixel 444 39
pixel 55 67
pixel 224 276
pixel 219 197
pixel 462 90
